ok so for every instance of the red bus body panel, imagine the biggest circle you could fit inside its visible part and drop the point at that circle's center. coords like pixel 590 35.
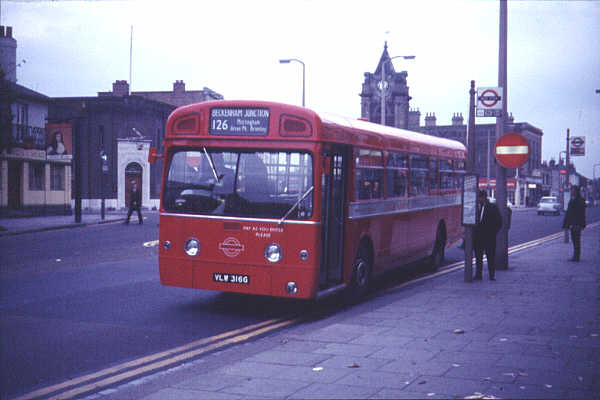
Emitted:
pixel 237 247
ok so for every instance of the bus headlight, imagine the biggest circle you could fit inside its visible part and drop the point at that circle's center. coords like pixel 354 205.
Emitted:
pixel 291 288
pixel 192 247
pixel 304 255
pixel 273 252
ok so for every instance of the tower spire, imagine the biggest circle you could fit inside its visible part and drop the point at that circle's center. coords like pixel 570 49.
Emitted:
pixel 385 57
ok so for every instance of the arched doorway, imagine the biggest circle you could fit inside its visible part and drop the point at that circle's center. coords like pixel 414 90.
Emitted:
pixel 133 173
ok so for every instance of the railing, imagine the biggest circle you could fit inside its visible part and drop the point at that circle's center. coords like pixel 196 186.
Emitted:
pixel 30 136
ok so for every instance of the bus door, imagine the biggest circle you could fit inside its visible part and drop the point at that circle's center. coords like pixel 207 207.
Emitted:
pixel 333 214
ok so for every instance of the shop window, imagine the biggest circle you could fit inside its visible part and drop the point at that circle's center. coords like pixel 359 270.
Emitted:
pixel 57 177
pixel 36 176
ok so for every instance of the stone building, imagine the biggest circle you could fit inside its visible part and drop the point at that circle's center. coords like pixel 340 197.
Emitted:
pixel 121 128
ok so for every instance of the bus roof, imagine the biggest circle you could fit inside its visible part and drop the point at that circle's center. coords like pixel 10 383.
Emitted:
pixel 196 118
pixel 389 135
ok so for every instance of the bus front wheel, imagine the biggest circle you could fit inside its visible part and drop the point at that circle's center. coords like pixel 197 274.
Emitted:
pixel 361 275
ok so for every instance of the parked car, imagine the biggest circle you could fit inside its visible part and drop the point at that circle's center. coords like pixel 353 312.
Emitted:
pixel 548 204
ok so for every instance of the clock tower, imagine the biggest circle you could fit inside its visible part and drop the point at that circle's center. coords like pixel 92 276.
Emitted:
pixel 392 87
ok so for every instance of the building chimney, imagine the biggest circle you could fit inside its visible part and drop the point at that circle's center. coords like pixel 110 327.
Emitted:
pixel 178 87
pixel 120 88
pixel 414 119
pixel 457 119
pixel 430 120
pixel 8 54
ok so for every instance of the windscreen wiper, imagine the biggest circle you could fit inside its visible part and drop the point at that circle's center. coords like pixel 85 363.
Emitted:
pixel 212 166
pixel 310 189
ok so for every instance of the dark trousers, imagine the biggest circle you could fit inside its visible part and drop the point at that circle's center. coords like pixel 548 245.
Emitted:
pixel 489 248
pixel 576 238
pixel 139 213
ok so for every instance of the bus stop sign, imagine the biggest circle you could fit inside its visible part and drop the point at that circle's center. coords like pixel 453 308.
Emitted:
pixel 511 150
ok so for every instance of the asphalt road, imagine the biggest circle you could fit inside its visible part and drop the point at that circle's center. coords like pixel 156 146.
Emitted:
pixel 77 300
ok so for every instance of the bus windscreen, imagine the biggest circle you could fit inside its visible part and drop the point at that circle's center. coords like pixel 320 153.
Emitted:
pixel 239 183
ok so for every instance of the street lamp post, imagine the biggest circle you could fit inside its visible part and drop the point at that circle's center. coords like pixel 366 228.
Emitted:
pixel 287 61
pixel 383 82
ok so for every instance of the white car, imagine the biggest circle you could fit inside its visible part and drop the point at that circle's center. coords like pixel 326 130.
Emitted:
pixel 548 204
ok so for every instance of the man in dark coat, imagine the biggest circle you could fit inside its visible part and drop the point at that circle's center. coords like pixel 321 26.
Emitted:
pixel 135 203
pixel 575 221
pixel 489 222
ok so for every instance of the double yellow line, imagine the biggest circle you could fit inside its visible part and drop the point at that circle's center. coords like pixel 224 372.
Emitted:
pixel 131 369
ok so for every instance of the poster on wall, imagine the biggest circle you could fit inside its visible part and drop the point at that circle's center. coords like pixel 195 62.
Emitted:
pixel 59 141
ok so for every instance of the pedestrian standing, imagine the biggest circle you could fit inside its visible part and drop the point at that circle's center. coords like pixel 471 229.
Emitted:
pixel 575 221
pixel 135 202
pixel 489 222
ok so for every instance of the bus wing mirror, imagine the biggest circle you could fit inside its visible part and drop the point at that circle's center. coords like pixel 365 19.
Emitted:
pixel 153 155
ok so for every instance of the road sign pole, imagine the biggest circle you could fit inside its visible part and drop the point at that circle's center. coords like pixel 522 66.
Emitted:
pixel 502 237
pixel 567 183
pixel 468 235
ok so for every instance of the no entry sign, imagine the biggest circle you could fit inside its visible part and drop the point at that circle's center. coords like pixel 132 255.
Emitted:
pixel 511 150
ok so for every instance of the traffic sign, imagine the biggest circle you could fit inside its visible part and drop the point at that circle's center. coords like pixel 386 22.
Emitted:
pixel 489 102
pixel 578 146
pixel 512 150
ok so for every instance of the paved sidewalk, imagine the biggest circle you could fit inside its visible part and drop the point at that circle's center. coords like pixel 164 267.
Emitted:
pixel 533 333
pixel 15 226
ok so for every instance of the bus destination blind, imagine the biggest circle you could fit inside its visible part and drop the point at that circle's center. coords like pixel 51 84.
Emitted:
pixel 239 121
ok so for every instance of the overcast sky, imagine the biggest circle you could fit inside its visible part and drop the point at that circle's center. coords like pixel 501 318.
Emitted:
pixel 79 48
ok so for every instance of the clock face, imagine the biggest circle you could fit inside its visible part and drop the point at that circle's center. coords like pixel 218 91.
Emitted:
pixel 382 84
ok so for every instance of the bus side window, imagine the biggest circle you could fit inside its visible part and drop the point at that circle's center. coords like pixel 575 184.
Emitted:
pixel 368 181
pixel 397 175
pixel 446 179
pixel 459 172
pixel 364 185
pixel 434 181
pixel 418 175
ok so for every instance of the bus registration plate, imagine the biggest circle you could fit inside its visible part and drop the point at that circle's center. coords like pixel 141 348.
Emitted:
pixel 231 278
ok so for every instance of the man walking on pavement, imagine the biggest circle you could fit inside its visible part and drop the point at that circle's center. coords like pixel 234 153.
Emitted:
pixel 489 222
pixel 575 221
pixel 135 202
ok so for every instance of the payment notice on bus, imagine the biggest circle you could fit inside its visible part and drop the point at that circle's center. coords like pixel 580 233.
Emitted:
pixel 239 121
